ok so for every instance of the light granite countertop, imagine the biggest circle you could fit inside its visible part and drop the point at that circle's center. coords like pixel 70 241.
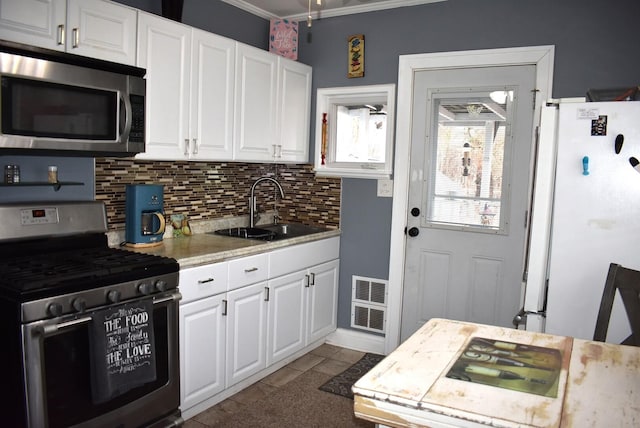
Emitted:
pixel 205 248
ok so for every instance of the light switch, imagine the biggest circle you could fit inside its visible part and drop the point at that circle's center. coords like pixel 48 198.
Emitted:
pixel 385 188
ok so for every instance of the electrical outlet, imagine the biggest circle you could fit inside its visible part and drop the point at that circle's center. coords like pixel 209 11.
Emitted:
pixel 385 188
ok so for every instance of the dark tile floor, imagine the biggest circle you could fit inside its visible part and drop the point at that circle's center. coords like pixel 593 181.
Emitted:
pixel 327 359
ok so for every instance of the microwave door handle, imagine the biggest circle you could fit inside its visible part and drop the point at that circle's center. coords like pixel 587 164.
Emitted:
pixel 126 119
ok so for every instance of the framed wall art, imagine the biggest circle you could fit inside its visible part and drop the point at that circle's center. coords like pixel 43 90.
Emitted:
pixel 355 48
pixel 283 38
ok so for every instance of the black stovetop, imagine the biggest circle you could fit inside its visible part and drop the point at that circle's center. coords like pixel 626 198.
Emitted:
pixel 43 268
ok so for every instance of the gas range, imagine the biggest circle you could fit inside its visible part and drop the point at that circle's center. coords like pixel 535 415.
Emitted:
pixel 58 276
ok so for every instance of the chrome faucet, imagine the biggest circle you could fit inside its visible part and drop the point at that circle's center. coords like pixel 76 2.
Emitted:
pixel 252 198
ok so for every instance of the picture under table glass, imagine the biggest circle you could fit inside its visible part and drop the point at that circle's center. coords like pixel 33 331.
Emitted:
pixel 508 365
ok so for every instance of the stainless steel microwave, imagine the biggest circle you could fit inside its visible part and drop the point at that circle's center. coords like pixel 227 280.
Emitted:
pixel 52 102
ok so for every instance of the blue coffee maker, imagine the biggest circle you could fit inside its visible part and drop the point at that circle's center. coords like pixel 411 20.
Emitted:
pixel 144 215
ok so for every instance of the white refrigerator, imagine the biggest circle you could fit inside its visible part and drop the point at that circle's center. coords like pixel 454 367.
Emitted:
pixel 586 215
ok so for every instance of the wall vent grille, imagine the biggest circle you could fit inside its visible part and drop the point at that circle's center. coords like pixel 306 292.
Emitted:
pixel 369 304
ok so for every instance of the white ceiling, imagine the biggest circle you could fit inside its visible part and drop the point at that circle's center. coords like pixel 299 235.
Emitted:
pixel 297 10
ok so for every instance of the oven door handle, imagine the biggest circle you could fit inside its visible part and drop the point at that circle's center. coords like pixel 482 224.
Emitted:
pixel 175 296
pixel 47 330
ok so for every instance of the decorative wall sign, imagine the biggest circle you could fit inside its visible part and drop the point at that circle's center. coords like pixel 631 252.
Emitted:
pixel 355 48
pixel 283 38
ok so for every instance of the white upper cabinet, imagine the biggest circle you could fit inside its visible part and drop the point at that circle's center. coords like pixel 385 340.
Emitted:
pixel 256 90
pixel 212 83
pixel 273 96
pixel 190 78
pixel 164 49
pixel 93 28
pixel 294 111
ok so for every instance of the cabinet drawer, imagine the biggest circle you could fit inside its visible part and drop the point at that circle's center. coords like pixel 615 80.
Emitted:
pixel 247 270
pixel 202 281
pixel 297 257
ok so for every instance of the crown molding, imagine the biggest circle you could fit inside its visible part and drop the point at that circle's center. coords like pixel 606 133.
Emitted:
pixel 328 13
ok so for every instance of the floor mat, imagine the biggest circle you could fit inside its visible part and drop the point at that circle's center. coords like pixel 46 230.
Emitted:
pixel 341 384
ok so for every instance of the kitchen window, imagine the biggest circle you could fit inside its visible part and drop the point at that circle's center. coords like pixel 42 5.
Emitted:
pixel 354 131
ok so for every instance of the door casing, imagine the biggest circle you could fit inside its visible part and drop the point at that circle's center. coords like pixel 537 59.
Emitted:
pixel 540 56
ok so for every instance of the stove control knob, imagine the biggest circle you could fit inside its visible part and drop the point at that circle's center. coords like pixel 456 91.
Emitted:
pixel 145 288
pixel 161 285
pixel 79 304
pixel 113 296
pixel 54 309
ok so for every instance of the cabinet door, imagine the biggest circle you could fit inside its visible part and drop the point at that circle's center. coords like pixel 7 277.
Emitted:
pixel 164 49
pixel 246 330
pixel 286 326
pixel 255 106
pixel 323 300
pixel 34 22
pixel 202 350
pixel 294 111
pixel 212 83
pixel 102 30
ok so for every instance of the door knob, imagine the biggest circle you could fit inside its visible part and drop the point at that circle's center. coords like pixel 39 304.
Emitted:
pixel 415 211
pixel 414 231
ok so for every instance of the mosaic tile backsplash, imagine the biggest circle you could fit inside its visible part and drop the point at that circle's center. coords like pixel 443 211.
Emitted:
pixel 215 190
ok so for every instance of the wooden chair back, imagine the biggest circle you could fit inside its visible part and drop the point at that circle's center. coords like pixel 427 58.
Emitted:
pixel 627 282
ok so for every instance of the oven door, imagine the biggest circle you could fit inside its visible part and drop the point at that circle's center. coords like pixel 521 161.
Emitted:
pixel 58 382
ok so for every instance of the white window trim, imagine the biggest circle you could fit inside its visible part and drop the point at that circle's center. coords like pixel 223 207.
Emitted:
pixel 326 100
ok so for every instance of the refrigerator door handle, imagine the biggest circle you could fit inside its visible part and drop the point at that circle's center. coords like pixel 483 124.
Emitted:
pixel 521 317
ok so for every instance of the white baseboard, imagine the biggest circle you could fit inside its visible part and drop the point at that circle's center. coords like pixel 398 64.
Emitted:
pixel 357 340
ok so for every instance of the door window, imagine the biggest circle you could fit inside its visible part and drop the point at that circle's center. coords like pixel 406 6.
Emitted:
pixel 467 155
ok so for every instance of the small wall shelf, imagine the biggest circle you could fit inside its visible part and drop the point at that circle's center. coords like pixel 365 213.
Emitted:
pixel 56 186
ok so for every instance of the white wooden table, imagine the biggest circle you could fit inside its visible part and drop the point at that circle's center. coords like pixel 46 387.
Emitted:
pixel 593 384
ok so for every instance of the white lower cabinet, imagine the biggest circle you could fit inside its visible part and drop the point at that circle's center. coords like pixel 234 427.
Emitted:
pixel 246 329
pixel 202 332
pixel 322 301
pixel 240 317
pixel 287 313
pixel 202 350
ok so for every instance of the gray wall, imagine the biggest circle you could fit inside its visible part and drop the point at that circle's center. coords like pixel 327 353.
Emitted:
pixel 596 47
pixel 217 17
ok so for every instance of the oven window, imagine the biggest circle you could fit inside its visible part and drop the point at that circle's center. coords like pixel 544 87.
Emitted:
pixel 43 109
pixel 68 380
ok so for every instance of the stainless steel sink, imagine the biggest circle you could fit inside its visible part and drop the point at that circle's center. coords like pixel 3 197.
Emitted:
pixel 247 233
pixel 271 232
pixel 292 230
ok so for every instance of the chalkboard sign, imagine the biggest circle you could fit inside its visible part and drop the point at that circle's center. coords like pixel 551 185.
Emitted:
pixel 123 349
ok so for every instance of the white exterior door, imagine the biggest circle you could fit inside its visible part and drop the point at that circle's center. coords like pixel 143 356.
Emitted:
pixel 468 195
